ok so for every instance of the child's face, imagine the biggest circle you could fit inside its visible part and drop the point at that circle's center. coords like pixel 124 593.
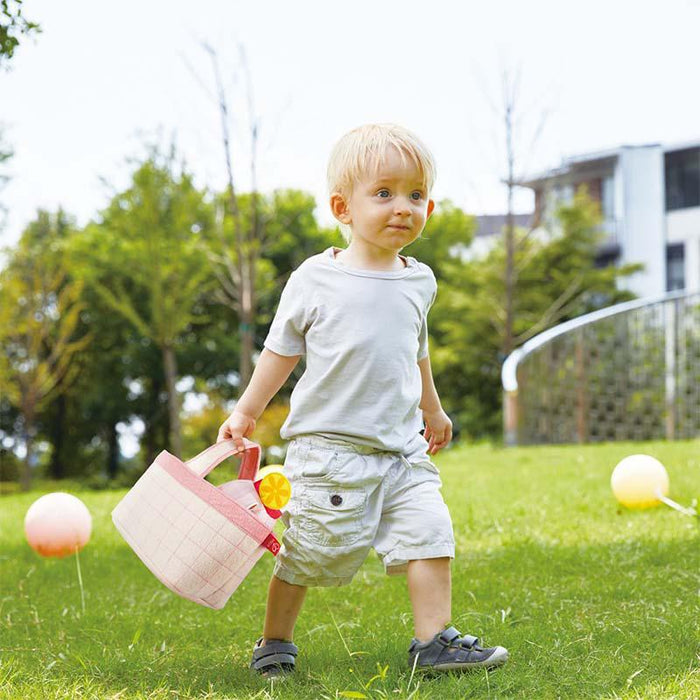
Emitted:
pixel 387 208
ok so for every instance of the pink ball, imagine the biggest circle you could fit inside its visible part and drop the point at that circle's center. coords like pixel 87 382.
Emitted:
pixel 57 524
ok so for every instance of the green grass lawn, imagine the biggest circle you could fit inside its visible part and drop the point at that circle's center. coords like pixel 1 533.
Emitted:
pixel 592 601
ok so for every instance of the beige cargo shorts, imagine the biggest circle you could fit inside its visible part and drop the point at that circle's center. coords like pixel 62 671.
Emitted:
pixel 347 499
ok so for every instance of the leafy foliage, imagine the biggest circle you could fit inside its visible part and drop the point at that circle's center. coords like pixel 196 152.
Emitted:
pixel 145 271
pixel 13 25
pixel 146 266
pixel 39 318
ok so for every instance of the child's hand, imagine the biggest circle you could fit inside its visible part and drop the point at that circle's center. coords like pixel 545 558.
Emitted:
pixel 236 427
pixel 438 430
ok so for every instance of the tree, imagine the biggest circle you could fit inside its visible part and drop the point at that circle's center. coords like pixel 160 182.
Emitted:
pixel 81 422
pixel 153 234
pixel 245 239
pixel 39 313
pixel 13 25
pixel 293 234
pixel 236 262
pixel 556 280
pixel 512 122
pixel 89 406
pixel 123 370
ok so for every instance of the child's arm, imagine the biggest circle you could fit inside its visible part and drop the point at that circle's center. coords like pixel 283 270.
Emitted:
pixel 438 426
pixel 270 373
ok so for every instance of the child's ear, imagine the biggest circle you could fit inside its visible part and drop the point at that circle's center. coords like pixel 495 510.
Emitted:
pixel 431 206
pixel 339 207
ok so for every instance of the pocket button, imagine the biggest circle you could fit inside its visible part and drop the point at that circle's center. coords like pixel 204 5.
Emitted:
pixel 336 500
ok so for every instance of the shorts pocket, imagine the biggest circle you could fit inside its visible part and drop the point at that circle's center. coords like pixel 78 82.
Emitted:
pixel 331 515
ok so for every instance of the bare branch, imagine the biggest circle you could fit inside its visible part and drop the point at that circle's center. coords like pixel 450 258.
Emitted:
pixel 554 312
pixel 523 239
pixel 197 78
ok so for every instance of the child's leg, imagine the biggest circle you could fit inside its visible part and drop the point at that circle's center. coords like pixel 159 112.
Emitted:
pixel 284 601
pixel 430 589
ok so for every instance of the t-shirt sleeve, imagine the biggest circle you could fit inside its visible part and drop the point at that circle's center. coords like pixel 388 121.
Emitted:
pixel 423 335
pixel 286 336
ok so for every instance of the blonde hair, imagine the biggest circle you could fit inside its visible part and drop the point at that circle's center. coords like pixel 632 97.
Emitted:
pixel 361 150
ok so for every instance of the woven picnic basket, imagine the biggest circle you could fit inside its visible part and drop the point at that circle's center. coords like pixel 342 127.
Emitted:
pixel 200 540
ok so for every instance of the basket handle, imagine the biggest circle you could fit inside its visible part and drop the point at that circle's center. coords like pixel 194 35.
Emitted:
pixel 206 460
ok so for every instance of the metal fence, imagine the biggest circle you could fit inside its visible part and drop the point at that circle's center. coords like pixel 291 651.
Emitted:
pixel 628 372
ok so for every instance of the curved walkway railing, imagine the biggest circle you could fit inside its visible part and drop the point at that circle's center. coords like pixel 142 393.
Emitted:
pixel 628 372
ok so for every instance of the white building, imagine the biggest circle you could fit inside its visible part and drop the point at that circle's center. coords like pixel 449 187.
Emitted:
pixel 650 201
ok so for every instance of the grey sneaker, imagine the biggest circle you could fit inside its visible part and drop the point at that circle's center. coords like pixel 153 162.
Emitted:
pixel 275 658
pixel 451 651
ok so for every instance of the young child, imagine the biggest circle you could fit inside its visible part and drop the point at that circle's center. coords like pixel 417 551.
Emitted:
pixel 360 470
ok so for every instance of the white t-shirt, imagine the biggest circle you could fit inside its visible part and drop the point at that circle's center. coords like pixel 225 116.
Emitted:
pixel 363 333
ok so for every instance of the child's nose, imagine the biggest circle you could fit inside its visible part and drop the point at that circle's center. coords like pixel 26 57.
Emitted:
pixel 402 205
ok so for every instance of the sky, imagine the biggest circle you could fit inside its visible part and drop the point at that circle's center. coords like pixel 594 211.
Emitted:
pixel 83 99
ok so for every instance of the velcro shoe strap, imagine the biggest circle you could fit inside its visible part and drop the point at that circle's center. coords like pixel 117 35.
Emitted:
pixel 273 649
pixel 447 636
pixel 469 641
pixel 264 662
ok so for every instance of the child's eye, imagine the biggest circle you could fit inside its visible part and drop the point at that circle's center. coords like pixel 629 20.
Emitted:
pixel 417 195
pixel 383 193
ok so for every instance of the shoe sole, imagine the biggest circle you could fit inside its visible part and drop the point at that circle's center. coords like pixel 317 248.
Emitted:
pixel 494 661
pixel 269 674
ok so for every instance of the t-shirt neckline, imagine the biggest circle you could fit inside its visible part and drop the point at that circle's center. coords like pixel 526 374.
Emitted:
pixel 410 267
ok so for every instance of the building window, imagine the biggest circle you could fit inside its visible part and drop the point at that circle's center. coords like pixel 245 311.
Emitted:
pixel 682 174
pixel 606 258
pixel 675 267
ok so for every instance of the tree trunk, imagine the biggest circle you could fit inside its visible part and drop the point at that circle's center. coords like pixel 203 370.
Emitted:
pixel 250 259
pixel 246 242
pixel 170 364
pixel 509 277
pixel 150 436
pixel 57 467
pixel 510 242
pixel 247 326
pixel 113 456
pixel 246 353
pixel 26 475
